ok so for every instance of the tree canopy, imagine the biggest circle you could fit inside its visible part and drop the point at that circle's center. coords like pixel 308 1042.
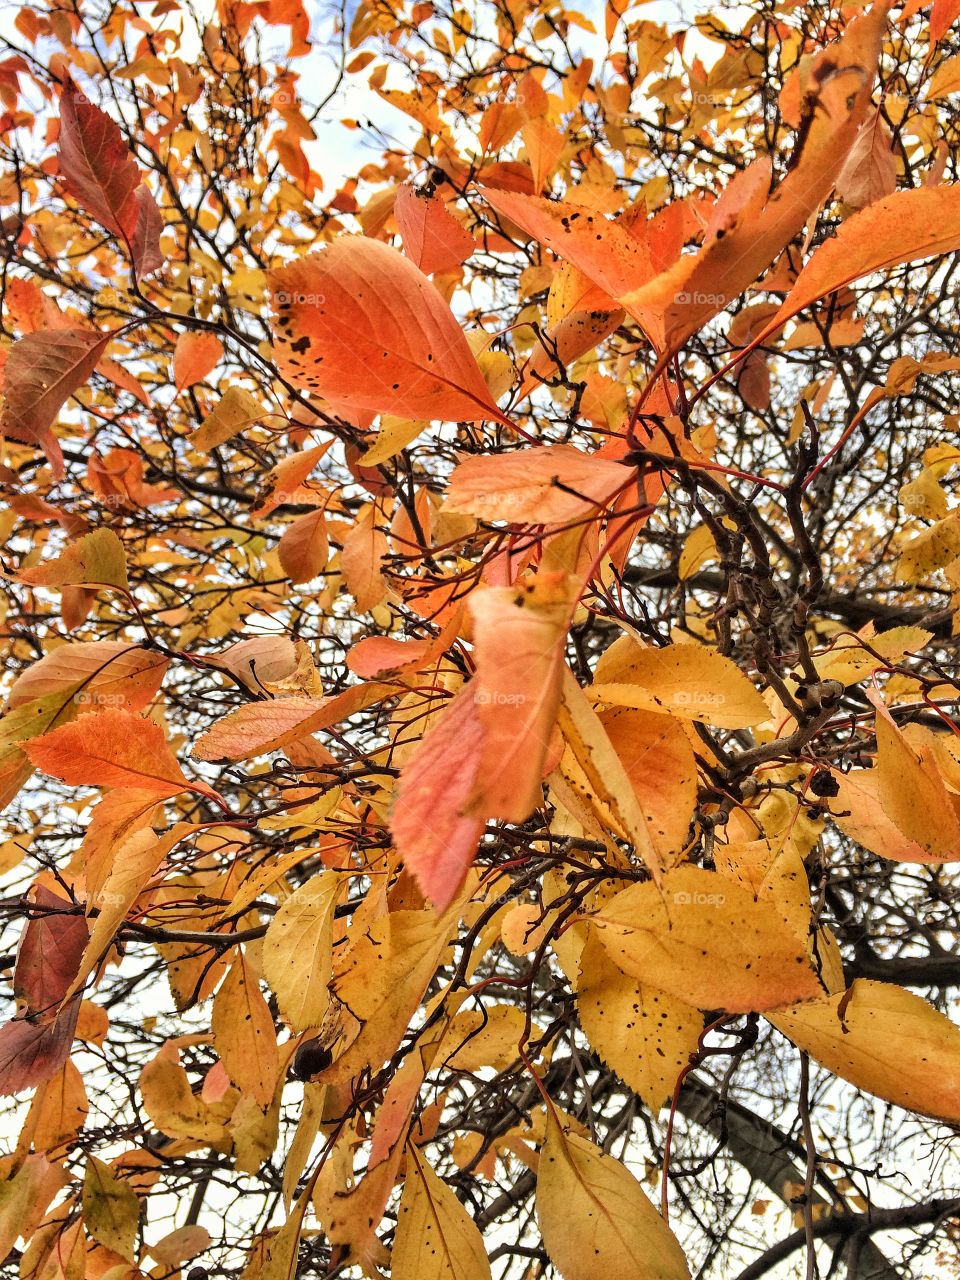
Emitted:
pixel 480 744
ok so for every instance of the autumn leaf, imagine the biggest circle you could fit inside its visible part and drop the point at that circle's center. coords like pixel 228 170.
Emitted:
pixel 436 1238
pixel 645 1035
pixel 911 788
pixel 361 326
pixel 42 372
pixel 135 861
pixel 604 780
pixel 870 170
pixel 196 354
pixel 103 673
pixel 684 680
pixel 243 1033
pixel 904 227
pixel 519 634
pixel 432 237
pixel 594 1216
pixel 381 980
pixel 747 231
pixel 859 813
pixel 111 1210
pixel 95 560
pixel 706 940
pixel 261 727
pixel 112 748
pixel 50 951
pixel 304 548
pixel 550 485
pixel 298 951
pixel 170 1103
pixel 31 1052
pixel 103 176
pixel 435 835
pixel 885 1040
pixel 237 410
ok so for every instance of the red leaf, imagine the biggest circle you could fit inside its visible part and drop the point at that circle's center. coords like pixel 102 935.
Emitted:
pixel 102 175
pixel 42 371
pixel 32 1052
pixel 48 958
pixel 145 241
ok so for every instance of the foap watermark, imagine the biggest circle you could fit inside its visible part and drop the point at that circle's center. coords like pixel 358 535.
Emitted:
pixel 498 698
pixel 284 298
pixel 94 698
pixel 698 698
pixel 699 299
pixel 684 899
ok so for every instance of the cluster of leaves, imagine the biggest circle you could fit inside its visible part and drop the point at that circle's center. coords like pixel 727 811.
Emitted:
pixel 477 641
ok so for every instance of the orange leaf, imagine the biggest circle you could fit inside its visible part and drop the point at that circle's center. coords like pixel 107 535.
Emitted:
pixel 606 252
pixel 361 326
pixel 112 748
pixel 194 356
pixel 109 673
pixel 261 727
pixel 305 547
pixel 432 237
pixel 549 485
pixel 904 227
pixel 747 232
pixel 434 835
pixel 519 635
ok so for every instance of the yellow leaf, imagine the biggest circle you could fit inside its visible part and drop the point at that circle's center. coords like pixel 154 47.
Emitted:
pixel 111 1210
pixel 297 951
pixel 382 980
pixel 595 1217
pixel 394 434
pixel 244 1034
pixel 171 1104
pixel 236 411
pixel 487 1039
pixel 606 778
pixel 95 560
pixel 884 1040
pixel 644 1035
pixel 911 789
pixel 436 1239
pixel 686 680
pixel 708 941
